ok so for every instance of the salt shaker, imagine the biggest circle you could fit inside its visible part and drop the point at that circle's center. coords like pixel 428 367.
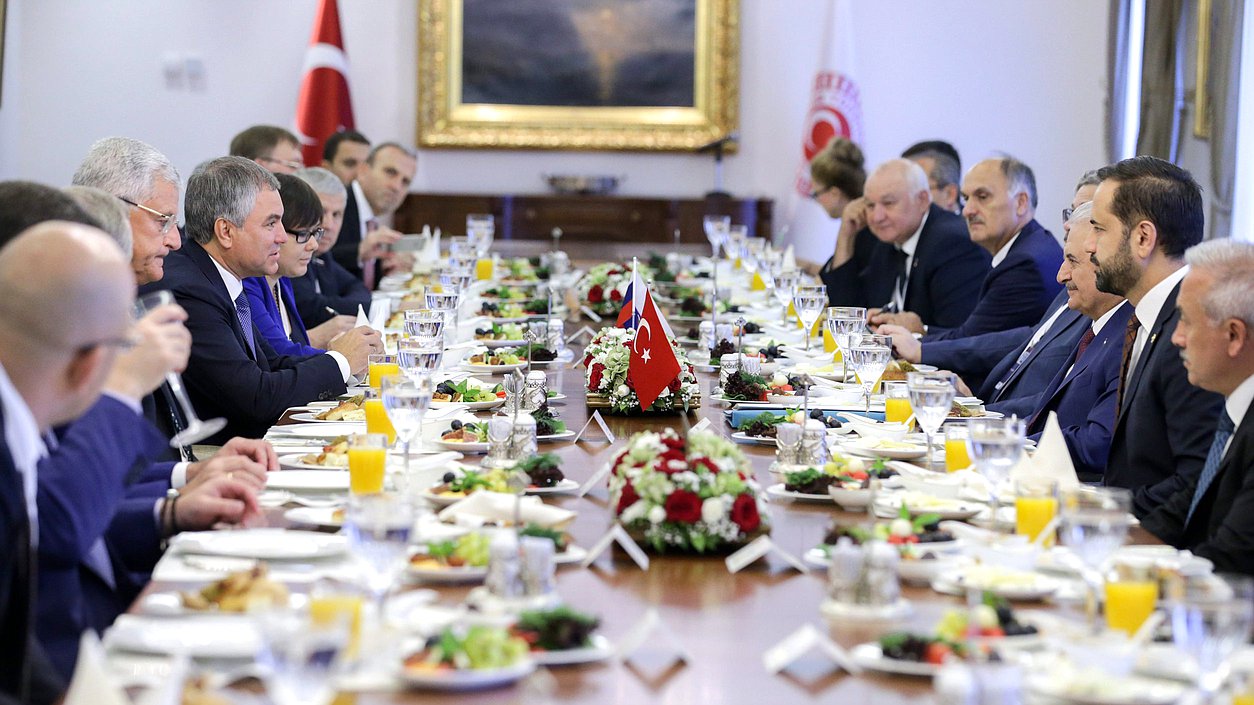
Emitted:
pixel 538 565
pixel 500 448
pixel 813 444
pixel 844 571
pixel 504 578
pixel 787 444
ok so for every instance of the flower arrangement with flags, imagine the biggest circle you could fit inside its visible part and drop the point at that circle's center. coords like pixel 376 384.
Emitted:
pixel 323 107
pixel 653 364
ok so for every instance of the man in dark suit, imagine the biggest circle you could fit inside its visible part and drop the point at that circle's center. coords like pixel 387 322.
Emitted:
pixel 1000 213
pixel 1083 391
pixel 327 290
pixel 380 187
pixel 233 372
pixel 1213 514
pixel 896 249
pixel 1146 213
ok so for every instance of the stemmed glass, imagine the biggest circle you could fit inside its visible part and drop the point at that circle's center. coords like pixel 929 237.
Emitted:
pixel 378 527
pixel 736 235
pixel 1210 619
pixel 717 228
pixel 407 398
pixel 196 428
pixel 869 355
pixel 456 278
pixel 995 446
pixel 846 324
pixel 809 302
pixel 754 247
pixel 1093 522
pixel 418 357
pixel 931 396
pixel 480 227
pixel 446 303
pixel 785 282
pixel 424 324
pixel 301 655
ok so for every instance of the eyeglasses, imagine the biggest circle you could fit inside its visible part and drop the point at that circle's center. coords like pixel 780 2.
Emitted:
pixel 302 236
pixel 166 219
pixel 820 191
pixel 119 343
pixel 1066 214
pixel 290 164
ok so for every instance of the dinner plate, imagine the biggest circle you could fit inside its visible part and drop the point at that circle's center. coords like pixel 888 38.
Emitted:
pixel 868 448
pixel 843 613
pixel 292 461
pixel 225 636
pixel 492 369
pixel 1027 587
pixel 742 437
pixel 263 544
pixel 323 480
pixel 466 679
pixel 564 486
pixel 494 344
pixel 448 575
pixel 598 649
pixel 777 491
pixel 327 517
pixel 169 603
pixel 472 405
pixel 871 657
pixel 311 417
pixel 483 447
pixel 1096 688
pixel 324 429
pixel 888 508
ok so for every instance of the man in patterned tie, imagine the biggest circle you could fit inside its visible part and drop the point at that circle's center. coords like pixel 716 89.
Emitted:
pixel 1213 516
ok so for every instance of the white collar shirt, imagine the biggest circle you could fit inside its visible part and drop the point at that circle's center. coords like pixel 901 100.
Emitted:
pixel 1147 311
pixel 26 444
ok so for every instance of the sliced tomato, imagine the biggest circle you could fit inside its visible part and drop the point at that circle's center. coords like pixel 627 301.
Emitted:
pixel 936 652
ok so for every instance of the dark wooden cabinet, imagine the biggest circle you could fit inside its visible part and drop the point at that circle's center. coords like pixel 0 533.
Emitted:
pixel 583 218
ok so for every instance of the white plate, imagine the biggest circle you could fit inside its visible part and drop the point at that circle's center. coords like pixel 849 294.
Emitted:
pixel 292 461
pixel 323 429
pixel 1037 587
pixel 471 405
pixel 494 344
pixel 842 613
pixel 492 369
pixel 1106 689
pixel 950 509
pixel 226 636
pixel 315 516
pixel 598 650
pixel 871 657
pixel 324 480
pixel 483 447
pixel 170 604
pixel 263 544
pixel 777 491
pixel 565 486
pixel 866 448
pixel 311 417
pixel 461 574
pixel 456 680
pixel 742 437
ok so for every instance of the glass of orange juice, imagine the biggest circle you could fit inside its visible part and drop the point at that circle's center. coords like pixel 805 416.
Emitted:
pixel 1131 595
pixel 382 365
pixel 332 601
pixel 1036 505
pixel 367 458
pixel 897 402
pixel 957 457
pixel 377 420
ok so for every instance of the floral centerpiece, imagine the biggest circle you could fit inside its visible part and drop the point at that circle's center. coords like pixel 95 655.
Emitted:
pixel 602 288
pixel 694 494
pixel 607 359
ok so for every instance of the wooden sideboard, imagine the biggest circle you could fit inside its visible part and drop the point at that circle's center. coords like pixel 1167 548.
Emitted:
pixel 583 218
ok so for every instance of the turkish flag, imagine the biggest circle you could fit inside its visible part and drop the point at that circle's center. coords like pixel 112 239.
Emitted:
pixel 323 107
pixel 653 365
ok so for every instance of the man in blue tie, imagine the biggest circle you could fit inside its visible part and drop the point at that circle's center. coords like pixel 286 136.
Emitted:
pixel 1213 516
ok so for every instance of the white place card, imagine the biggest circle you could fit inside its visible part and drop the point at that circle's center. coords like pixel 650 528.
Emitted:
pixel 597 478
pixel 701 425
pixel 801 642
pixel 605 429
pixel 583 331
pixel 617 534
pixel 590 313
pixel 636 637
pixel 758 548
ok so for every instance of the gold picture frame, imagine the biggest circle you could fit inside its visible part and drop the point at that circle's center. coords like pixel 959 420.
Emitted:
pixel 1201 90
pixel 446 121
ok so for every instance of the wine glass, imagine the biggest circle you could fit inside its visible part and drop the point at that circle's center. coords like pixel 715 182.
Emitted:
pixel 461 248
pixel 1211 618
pixel 378 527
pixel 446 303
pixel 869 355
pixel 1093 522
pixel 196 429
pixel 424 324
pixel 809 302
pixel 480 227
pixel 407 398
pixel 419 356
pixel 995 446
pixel 785 282
pixel 846 324
pixel 301 655
pixel 736 236
pixel 931 396
pixel 456 278
pixel 717 228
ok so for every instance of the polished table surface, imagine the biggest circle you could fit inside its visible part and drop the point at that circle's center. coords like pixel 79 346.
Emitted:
pixel 725 622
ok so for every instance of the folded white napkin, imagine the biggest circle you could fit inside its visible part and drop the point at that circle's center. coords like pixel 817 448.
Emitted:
pixel 362 318
pixel 93 683
pixel 790 259
pixel 380 309
pixel 1051 460
pixel 482 507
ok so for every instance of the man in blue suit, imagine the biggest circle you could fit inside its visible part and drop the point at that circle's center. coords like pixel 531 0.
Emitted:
pixel 895 249
pixel 1000 212
pixel 233 372
pixel 327 291
pixel 1146 213
pixel 1084 390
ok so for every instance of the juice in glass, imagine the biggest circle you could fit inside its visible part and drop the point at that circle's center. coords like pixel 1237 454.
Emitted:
pixel 829 343
pixel 897 410
pixel 1032 514
pixel 483 268
pixel 381 366
pixel 1129 603
pixel 326 609
pixel 377 420
pixel 367 458
pixel 956 455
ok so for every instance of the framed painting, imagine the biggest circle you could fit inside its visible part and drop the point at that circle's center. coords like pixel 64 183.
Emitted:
pixel 648 75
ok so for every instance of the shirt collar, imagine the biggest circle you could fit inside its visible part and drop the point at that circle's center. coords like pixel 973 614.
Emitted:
pixel 1152 303
pixel 364 211
pixel 20 429
pixel 233 285
pixel 1101 321
pixel 1005 249
pixel 909 246
pixel 1239 401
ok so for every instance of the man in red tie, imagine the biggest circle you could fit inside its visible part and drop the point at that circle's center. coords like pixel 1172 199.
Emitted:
pixel 381 186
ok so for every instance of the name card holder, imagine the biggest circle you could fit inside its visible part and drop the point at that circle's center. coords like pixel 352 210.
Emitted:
pixel 757 549
pixel 805 639
pixel 619 535
pixel 583 331
pixel 666 644
pixel 590 313
pixel 605 429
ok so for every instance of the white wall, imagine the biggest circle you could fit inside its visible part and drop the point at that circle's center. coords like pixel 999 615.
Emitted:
pixel 1025 77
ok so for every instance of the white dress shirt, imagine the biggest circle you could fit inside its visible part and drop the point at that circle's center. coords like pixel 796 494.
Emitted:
pixel 908 247
pixel 1005 249
pixel 26 445
pixel 1147 313
pixel 1237 404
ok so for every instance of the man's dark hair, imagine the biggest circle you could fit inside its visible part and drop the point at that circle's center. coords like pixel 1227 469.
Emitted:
pixel 302 208
pixel 945 170
pixel 259 141
pixel 332 144
pixel 26 203
pixel 1153 189
pixel 941 146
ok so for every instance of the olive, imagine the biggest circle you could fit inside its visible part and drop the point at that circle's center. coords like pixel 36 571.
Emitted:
pixel 449 477
pixel 456 425
pixel 816 414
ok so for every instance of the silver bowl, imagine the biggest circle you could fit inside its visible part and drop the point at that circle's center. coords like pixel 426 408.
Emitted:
pixel 583 185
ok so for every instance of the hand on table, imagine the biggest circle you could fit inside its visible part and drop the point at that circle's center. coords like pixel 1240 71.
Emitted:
pixel 218 500
pixel 906 319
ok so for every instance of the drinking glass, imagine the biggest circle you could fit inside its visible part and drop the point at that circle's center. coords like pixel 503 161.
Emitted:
pixel 846 324
pixel 301 655
pixel 456 279
pixel 869 355
pixel 809 302
pixel 785 282
pixel 957 456
pixel 1093 522
pixel 420 357
pixel 380 366
pixel 480 227
pixel 931 396
pixel 995 445
pixel 367 460
pixel 196 428
pixel 461 248
pixel 1210 619
pixel 407 399
pixel 717 228
pixel 1036 505
pixel 424 324
pixel 1131 594
pixel 736 236
pixel 446 303
pixel 378 528
pixel 896 402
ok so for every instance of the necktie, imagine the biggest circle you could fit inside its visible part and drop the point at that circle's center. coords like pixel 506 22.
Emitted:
pixel 245 315
pixel 367 267
pixel 1084 342
pixel 1129 343
pixel 1213 458
pixel 901 281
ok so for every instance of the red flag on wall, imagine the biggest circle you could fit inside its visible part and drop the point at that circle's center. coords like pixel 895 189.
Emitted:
pixel 323 106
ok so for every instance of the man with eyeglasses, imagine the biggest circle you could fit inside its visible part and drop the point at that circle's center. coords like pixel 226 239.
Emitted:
pixel 274 148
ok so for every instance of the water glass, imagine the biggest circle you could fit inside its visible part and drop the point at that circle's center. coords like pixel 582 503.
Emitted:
pixel 1210 619
pixel 869 355
pixel 1093 522
pixel 456 278
pixel 785 282
pixel 301 655
pixel 424 324
pixel 407 400
pixel 717 228
pixel 931 396
pixel 736 235
pixel 446 303
pixel 480 227
pixel 809 302
pixel 846 324
pixel 378 528
pixel 995 445
pixel 417 357
pixel 461 248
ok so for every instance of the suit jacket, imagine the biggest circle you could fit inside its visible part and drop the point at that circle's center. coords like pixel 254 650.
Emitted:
pixel 1222 528
pixel 225 377
pixel 345 249
pixel 1017 291
pixel 1084 397
pixel 1165 424
pixel 266 316
pixel 1012 389
pixel 327 284
pixel 945 273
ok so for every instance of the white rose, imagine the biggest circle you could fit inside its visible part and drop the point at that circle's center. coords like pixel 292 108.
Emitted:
pixel 657 514
pixel 634 512
pixel 623 390
pixel 712 510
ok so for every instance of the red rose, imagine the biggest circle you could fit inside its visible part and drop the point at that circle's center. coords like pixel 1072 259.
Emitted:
pixel 627 498
pixel 587 359
pixel 683 506
pixel 618 460
pixel 744 513
pixel 615 295
pixel 705 463
pixel 670 455
pixel 675 385
pixel 673 443
pixel 596 294
pixel 594 377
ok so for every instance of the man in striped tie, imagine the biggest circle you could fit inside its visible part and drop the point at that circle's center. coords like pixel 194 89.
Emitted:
pixel 1213 516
